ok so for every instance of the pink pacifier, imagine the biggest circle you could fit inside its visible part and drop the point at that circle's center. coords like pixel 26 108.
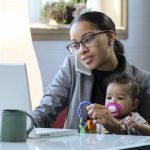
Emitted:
pixel 114 108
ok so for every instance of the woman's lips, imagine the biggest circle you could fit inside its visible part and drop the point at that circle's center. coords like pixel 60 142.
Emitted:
pixel 87 60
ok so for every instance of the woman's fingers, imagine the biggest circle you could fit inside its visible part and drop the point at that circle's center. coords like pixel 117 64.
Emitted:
pixel 98 113
pixel 101 115
pixel 96 106
pixel 96 116
pixel 94 113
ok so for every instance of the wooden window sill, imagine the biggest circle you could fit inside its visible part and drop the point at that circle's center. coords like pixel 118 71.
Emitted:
pixel 61 33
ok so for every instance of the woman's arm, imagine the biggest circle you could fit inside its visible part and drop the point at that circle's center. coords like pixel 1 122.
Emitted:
pixel 57 97
pixel 143 79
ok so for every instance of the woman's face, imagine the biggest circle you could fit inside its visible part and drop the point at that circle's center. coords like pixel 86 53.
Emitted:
pixel 97 55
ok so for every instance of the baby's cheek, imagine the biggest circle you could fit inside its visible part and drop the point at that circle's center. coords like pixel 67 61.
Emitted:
pixel 106 103
pixel 126 109
pixel 125 106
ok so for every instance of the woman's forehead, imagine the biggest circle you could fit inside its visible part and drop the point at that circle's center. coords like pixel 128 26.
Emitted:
pixel 78 29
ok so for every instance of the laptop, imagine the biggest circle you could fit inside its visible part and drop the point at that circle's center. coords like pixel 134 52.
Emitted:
pixel 14 94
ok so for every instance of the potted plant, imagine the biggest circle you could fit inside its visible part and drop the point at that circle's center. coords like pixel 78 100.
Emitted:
pixel 61 12
pixel 54 11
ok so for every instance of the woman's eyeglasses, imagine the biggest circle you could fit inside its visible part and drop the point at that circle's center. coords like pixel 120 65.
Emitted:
pixel 86 41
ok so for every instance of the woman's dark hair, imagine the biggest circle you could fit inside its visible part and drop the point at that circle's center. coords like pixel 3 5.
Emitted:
pixel 102 22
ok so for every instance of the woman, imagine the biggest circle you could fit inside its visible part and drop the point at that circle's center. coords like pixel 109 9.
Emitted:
pixel 96 56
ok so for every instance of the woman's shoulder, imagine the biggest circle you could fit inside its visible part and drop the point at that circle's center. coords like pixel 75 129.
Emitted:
pixel 133 69
pixel 69 62
pixel 70 58
pixel 141 73
pixel 141 76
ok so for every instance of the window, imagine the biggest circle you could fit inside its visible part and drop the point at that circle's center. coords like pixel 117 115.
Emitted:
pixel 116 9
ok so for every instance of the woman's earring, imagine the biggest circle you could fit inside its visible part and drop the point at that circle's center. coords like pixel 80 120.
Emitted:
pixel 112 43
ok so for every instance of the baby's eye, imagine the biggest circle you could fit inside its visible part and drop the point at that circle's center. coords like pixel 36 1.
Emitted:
pixel 108 98
pixel 120 98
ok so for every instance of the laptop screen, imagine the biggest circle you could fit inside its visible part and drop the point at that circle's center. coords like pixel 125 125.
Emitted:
pixel 14 88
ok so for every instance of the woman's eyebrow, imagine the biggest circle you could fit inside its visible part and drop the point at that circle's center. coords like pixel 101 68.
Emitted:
pixel 88 33
pixel 82 36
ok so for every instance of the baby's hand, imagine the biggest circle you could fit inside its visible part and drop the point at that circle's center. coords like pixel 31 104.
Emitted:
pixel 131 123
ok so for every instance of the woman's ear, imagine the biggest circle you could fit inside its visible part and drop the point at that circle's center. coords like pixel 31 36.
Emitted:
pixel 135 104
pixel 111 37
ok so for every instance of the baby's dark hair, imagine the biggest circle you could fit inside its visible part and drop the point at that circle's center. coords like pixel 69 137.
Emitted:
pixel 123 78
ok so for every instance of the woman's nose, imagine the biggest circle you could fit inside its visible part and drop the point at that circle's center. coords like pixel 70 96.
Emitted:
pixel 83 49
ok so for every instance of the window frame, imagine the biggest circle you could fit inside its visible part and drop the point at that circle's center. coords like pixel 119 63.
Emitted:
pixel 62 33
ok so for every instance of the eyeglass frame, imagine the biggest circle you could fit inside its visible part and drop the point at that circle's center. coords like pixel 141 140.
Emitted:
pixel 93 34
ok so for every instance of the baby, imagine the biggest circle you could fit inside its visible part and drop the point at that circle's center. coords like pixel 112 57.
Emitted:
pixel 121 100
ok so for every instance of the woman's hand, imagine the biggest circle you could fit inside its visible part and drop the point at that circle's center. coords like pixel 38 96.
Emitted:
pixel 101 115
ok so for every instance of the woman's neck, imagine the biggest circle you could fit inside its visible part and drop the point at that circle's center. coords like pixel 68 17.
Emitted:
pixel 114 61
pixel 110 64
pixel 111 61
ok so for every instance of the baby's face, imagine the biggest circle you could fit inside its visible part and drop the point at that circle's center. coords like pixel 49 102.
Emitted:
pixel 118 100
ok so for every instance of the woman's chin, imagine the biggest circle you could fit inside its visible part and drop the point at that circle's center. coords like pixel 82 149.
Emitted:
pixel 91 67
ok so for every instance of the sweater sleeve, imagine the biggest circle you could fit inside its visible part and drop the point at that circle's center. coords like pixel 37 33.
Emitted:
pixel 56 98
pixel 143 79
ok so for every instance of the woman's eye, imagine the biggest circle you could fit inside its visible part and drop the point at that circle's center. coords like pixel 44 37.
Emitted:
pixel 88 39
pixel 74 45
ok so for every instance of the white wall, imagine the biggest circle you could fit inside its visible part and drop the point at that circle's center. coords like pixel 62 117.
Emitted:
pixel 51 54
pixel 137 46
pixel 34 11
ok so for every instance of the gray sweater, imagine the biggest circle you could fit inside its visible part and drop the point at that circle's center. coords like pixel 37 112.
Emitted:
pixel 73 84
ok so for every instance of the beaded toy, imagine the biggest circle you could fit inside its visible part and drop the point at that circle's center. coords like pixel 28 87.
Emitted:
pixel 85 126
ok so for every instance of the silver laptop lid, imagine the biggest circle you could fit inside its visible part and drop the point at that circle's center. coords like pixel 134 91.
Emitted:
pixel 14 88
pixel 14 94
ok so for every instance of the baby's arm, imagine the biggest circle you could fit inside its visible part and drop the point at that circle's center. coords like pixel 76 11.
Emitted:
pixel 144 128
